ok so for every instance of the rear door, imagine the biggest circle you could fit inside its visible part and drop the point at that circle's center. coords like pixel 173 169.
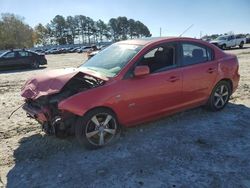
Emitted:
pixel 234 41
pixel 199 71
pixel 231 41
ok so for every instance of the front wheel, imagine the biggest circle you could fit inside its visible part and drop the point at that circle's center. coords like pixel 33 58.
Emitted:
pixel 97 128
pixel 241 45
pixel 219 96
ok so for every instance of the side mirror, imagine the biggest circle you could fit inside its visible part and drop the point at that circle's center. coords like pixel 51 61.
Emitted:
pixel 141 71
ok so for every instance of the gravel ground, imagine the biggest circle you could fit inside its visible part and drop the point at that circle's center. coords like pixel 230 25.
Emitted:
pixel 195 148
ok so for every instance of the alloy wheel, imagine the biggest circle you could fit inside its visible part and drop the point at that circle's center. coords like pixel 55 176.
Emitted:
pixel 221 96
pixel 101 129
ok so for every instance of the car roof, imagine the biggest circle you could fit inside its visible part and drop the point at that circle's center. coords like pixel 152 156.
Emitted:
pixel 143 41
pixel 151 40
pixel 17 50
pixel 157 40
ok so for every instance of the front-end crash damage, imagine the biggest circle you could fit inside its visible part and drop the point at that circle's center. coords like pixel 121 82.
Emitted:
pixel 42 96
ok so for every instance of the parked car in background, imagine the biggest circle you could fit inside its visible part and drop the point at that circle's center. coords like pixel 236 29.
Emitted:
pixel 62 49
pixel 73 50
pixel 51 51
pixel 18 58
pixel 228 41
pixel 248 39
pixel 84 49
pixel 95 50
pixel 92 53
pixel 128 83
pixel 39 51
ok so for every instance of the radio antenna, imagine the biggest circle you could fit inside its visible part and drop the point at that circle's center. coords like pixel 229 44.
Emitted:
pixel 186 30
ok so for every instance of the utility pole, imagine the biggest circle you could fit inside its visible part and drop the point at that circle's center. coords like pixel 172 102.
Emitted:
pixel 160 31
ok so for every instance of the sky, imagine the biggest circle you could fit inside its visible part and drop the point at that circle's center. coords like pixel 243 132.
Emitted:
pixel 172 16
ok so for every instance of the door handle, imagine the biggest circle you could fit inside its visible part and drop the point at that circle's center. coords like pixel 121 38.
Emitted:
pixel 210 70
pixel 173 79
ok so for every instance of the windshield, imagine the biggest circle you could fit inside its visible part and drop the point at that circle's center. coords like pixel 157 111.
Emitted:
pixel 112 59
pixel 221 38
pixel 3 53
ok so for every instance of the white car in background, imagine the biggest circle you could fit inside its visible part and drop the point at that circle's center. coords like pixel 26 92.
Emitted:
pixel 228 41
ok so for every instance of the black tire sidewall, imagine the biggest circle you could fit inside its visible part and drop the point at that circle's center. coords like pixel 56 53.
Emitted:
pixel 210 104
pixel 35 64
pixel 241 45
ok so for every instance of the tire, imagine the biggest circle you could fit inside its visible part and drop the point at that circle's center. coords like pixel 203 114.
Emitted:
pixel 224 47
pixel 241 44
pixel 35 64
pixel 219 96
pixel 97 128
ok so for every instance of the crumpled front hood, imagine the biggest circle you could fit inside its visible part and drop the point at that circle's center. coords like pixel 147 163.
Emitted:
pixel 53 81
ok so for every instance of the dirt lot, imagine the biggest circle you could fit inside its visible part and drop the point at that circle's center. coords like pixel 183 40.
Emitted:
pixel 195 148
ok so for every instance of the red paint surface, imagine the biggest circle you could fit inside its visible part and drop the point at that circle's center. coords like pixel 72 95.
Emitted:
pixel 140 99
pixel 52 82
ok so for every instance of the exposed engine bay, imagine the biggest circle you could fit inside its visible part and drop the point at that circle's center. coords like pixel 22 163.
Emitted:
pixel 45 108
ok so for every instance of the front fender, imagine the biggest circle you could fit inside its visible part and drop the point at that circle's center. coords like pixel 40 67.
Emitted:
pixel 80 103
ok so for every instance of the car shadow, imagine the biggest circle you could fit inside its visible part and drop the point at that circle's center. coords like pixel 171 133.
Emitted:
pixel 19 70
pixel 42 160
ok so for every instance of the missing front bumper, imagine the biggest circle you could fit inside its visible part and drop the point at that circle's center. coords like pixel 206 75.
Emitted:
pixel 35 113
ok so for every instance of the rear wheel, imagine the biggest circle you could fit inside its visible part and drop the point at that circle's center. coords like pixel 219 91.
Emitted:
pixel 97 128
pixel 219 96
pixel 241 44
pixel 35 64
pixel 224 47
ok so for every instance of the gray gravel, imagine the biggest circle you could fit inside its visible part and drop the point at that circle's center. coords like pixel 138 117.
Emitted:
pixel 195 148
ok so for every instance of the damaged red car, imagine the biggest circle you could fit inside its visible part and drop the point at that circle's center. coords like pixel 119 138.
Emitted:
pixel 128 83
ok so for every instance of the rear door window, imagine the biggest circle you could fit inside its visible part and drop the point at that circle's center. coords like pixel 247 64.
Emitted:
pixel 195 53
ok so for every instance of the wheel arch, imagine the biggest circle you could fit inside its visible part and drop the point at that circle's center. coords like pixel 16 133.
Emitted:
pixel 210 104
pixel 227 80
pixel 223 45
pixel 82 122
pixel 103 107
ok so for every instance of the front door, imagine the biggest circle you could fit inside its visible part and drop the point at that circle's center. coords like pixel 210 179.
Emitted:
pixel 8 60
pixel 147 96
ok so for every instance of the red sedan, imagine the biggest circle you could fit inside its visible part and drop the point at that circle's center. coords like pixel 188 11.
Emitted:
pixel 131 82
